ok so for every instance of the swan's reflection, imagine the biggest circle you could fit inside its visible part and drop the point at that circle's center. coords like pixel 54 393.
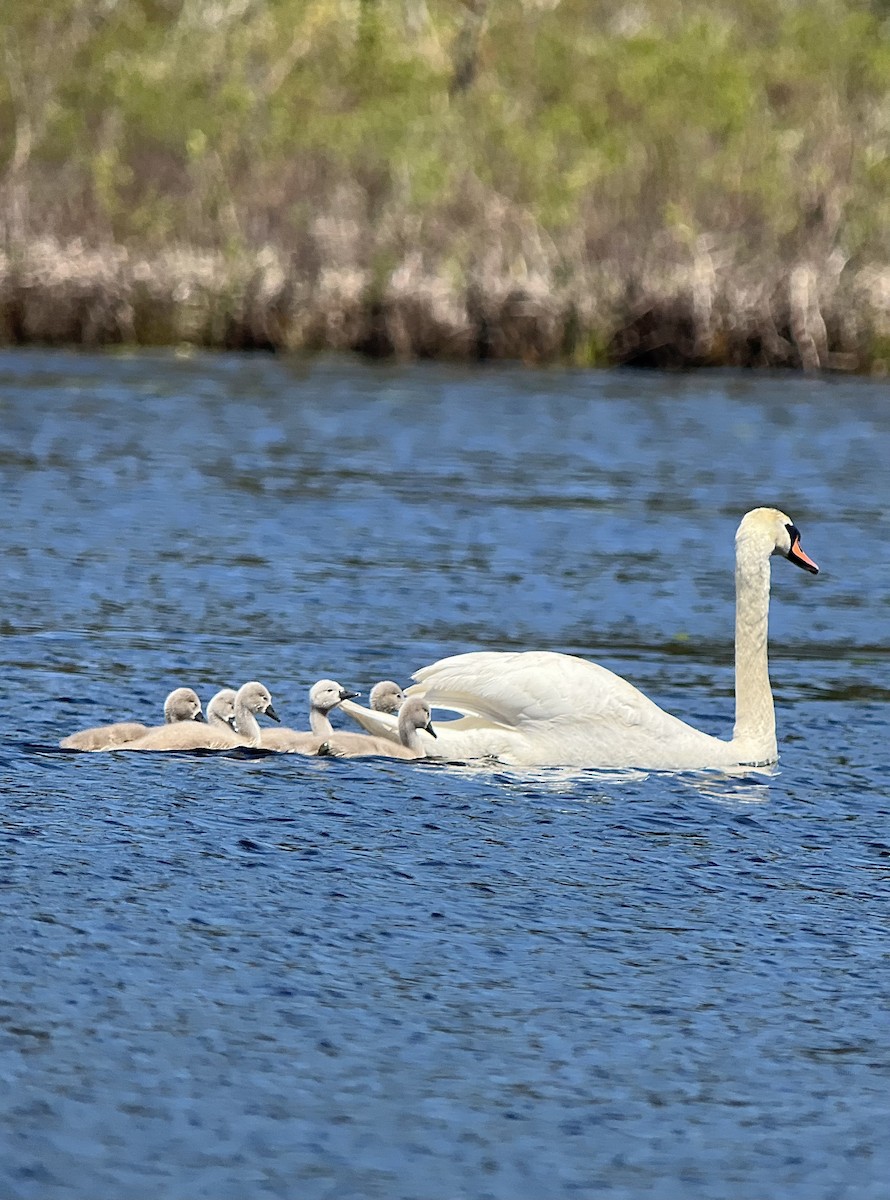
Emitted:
pixel 746 786
pixel 749 785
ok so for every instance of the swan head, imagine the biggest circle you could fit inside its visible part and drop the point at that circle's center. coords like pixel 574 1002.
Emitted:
pixel 222 707
pixel 256 699
pixel 769 531
pixel 415 714
pixel 182 705
pixel 386 696
pixel 327 694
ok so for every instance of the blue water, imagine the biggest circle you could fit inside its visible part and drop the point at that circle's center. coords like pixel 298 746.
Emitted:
pixel 343 980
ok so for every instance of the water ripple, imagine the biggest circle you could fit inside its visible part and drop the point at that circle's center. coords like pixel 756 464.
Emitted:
pixel 231 975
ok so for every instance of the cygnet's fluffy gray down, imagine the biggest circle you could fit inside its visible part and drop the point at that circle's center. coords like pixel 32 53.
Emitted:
pixel 221 709
pixel 181 705
pixel 414 716
pixel 324 696
pixel 386 696
pixel 250 699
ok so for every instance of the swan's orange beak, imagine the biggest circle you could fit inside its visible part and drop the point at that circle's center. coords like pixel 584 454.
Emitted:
pixel 798 556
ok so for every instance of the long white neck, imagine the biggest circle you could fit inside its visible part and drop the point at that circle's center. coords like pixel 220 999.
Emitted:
pixel 755 718
pixel 319 723
pixel 247 724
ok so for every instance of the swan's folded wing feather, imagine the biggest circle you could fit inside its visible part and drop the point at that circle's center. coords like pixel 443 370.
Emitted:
pixel 511 689
pixel 541 707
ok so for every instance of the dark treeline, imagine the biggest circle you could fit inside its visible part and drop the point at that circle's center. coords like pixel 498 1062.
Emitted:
pixel 663 182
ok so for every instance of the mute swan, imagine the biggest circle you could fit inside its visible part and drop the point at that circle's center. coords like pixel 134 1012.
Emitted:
pixel 221 709
pixel 250 699
pixel 323 697
pixel 385 696
pixel 413 716
pixel 182 704
pixel 545 709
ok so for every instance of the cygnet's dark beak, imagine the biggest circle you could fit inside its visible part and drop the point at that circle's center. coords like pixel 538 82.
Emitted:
pixel 270 712
pixel 429 728
pixel 344 695
pixel 797 555
pixel 199 716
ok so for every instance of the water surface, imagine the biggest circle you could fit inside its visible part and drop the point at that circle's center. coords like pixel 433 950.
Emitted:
pixel 289 977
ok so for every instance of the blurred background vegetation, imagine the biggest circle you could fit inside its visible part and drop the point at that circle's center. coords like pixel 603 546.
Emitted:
pixel 663 182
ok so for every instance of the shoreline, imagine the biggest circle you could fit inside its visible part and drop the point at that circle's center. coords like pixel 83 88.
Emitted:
pixel 681 314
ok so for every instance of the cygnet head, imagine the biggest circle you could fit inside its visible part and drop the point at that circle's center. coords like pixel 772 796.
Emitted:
pixel 386 697
pixel 327 694
pixel 770 531
pixel 182 705
pixel 256 699
pixel 415 714
pixel 221 708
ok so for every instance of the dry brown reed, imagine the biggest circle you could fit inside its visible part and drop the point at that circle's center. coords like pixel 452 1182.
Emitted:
pixel 706 310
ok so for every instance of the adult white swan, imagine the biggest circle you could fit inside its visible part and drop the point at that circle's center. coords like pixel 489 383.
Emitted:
pixel 544 709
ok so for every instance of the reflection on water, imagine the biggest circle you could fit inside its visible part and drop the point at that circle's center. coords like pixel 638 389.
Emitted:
pixel 243 975
pixel 729 788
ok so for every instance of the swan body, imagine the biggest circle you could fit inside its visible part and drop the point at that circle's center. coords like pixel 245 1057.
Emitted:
pixel 414 716
pixel 324 696
pixel 540 708
pixel 181 705
pixel 250 699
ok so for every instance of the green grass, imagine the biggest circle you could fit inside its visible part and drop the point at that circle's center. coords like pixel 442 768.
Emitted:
pixel 597 157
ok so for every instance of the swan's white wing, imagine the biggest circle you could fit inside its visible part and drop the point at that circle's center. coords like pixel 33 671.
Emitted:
pixel 510 689
pixel 546 708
